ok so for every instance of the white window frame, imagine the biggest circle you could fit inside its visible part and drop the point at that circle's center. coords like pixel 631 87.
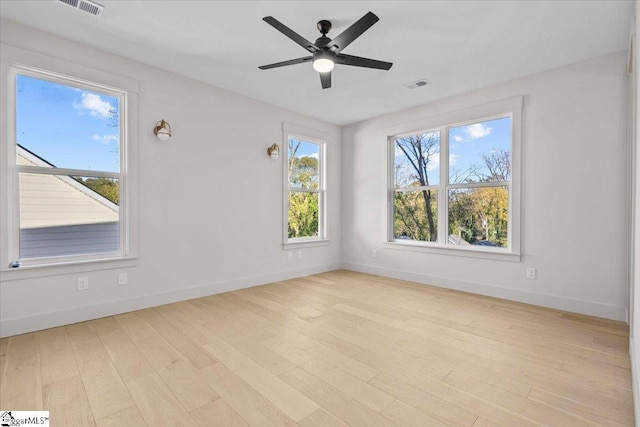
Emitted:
pixel 13 62
pixel 511 108
pixel 316 137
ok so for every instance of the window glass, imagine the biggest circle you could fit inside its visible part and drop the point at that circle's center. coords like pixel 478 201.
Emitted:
pixel 479 216
pixel 304 161
pixel 417 160
pixel 416 215
pixel 480 152
pixel 62 215
pixel 303 214
pixel 68 127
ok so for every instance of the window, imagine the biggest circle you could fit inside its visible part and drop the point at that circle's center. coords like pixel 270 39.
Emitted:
pixel 452 185
pixel 68 191
pixel 305 190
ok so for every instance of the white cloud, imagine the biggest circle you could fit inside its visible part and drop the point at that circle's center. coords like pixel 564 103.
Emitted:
pixel 457 138
pixel 94 104
pixel 453 158
pixel 434 163
pixel 477 130
pixel 106 139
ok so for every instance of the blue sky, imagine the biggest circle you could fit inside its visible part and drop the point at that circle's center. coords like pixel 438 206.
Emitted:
pixel 66 126
pixel 309 149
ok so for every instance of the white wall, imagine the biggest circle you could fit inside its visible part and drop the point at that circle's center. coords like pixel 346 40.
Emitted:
pixel 574 226
pixel 210 199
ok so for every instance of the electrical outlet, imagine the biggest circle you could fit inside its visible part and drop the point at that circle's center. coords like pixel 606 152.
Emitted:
pixel 290 255
pixel 299 254
pixel 123 279
pixel 374 253
pixel 531 273
pixel 83 283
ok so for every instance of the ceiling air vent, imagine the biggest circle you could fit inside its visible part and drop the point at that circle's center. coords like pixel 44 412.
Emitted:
pixel 85 5
pixel 416 84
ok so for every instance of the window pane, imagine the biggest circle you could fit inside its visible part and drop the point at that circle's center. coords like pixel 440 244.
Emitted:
pixel 63 215
pixel 304 158
pixel 478 216
pixel 415 215
pixel 303 214
pixel 67 127
pixel 480 152
pixel 417 160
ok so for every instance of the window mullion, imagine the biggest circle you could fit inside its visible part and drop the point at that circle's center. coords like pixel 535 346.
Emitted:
pixel 66 172
pixel 443 207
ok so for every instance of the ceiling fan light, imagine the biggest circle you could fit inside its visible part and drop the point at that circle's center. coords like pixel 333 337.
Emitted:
pixel 323 65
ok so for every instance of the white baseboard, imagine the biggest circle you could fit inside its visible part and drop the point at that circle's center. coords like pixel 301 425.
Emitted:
pixel 21 325
pixel 551 301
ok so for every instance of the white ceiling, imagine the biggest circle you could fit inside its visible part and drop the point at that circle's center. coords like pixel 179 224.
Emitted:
pixel 457 46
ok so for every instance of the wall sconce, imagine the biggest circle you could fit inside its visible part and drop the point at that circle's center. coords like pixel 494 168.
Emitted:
pixel 162 130
pixel 274 151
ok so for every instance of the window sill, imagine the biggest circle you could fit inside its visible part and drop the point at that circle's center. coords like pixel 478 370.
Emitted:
pixel 298 244
pixel 471 252
pixel 71 267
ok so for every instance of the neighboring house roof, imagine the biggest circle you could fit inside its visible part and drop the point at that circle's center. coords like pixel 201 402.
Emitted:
pixel 58 200
pixel 457 240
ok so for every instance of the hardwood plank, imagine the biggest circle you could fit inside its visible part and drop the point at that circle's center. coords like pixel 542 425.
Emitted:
pixel 185 346
pixel 408 416
pixel 21 384
pixel 254 408
pixel 321 418
pixel 56 356
pixel 133 326
pixel 287 399
pixel 342 406
pixel 260 354
pixel 178 373
pixel 436 355
pixel 611 415
pixel 431 404
pixel 444 402
pixel 344 362
pixel 342 380
pixel 157 405
pixel 218 414
pixel 125 356
pixel 105 389
pixel 529 409
pixel 129 417
pixel 67 403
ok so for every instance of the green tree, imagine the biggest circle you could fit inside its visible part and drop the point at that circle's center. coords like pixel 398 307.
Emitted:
pixel 303 173
pixel 106 187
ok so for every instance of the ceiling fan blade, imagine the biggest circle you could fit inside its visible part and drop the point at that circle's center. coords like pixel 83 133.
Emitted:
pixel 358 61
pixel 325 79
pixel 306 44
pixel 285 63
pixel 354 31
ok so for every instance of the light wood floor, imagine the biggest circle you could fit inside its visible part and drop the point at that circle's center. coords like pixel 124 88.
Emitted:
pixel 334 349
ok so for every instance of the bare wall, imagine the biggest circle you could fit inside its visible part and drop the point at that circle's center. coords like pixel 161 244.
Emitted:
pixel 574 225
pixel 210 199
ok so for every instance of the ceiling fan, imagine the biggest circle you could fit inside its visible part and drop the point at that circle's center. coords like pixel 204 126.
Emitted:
pixel 326 52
